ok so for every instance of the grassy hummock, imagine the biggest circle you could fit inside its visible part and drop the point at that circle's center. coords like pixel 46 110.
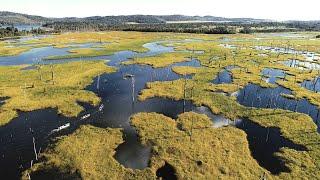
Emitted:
pixel 161 60
pixel 297 127
pixel 58 86
pixel 9 50
pixel 210 153
pixel 201 153
pixel 85 154
pixel 88 153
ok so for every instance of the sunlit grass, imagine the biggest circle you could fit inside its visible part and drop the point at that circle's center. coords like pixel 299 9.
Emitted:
pixel 224 152
pixel 86 154
pixel 159 61
pixel 207 153
pixel 9 50
pixel 50 86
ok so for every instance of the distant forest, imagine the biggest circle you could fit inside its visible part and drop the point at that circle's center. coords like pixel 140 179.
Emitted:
pixel 149 23
pixel 14 32
pixel 198 27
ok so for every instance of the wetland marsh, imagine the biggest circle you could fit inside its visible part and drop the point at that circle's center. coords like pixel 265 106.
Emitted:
pixel 132 105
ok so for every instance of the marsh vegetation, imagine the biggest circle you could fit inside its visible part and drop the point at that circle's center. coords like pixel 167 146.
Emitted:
pixel 164 105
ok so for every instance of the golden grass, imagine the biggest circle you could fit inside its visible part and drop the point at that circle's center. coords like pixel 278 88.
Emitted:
pixel 250 63
pixel 111 42
pixel 27 92
pixel 201 152
pixel 182 153
pixel 292 125
pixel 161 60
pixel 86 154
pixel 211 153
pixel 8 50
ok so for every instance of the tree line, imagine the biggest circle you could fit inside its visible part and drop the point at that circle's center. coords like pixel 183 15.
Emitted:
pixel 199 27
pixel 11 31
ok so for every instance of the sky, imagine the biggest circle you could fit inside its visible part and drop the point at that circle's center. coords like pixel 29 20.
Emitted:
pixel 266 9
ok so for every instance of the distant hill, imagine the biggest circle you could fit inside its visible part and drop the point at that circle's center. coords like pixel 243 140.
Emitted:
pixel 173 18
pixel 156 23
pixel 17 18
pixel 9 18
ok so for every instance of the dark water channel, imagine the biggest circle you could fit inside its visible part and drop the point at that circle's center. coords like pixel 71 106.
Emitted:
pixel 35 56
pixel 119 98
pixel 313 85
pixel 264 142
pixel 117 94
pixel 16 139
pixel 2 100
pixel 255 96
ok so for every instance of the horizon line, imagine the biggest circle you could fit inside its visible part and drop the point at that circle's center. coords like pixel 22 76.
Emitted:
pixel 267 19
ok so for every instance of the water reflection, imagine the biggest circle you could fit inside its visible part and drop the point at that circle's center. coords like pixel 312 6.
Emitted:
pixel 303 65
pixel 272 75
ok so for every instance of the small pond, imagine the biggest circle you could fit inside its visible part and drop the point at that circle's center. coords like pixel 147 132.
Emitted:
pixel 272 75
pixel 223 77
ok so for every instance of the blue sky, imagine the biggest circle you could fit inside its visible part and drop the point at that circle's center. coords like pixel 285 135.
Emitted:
pixel 269 9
